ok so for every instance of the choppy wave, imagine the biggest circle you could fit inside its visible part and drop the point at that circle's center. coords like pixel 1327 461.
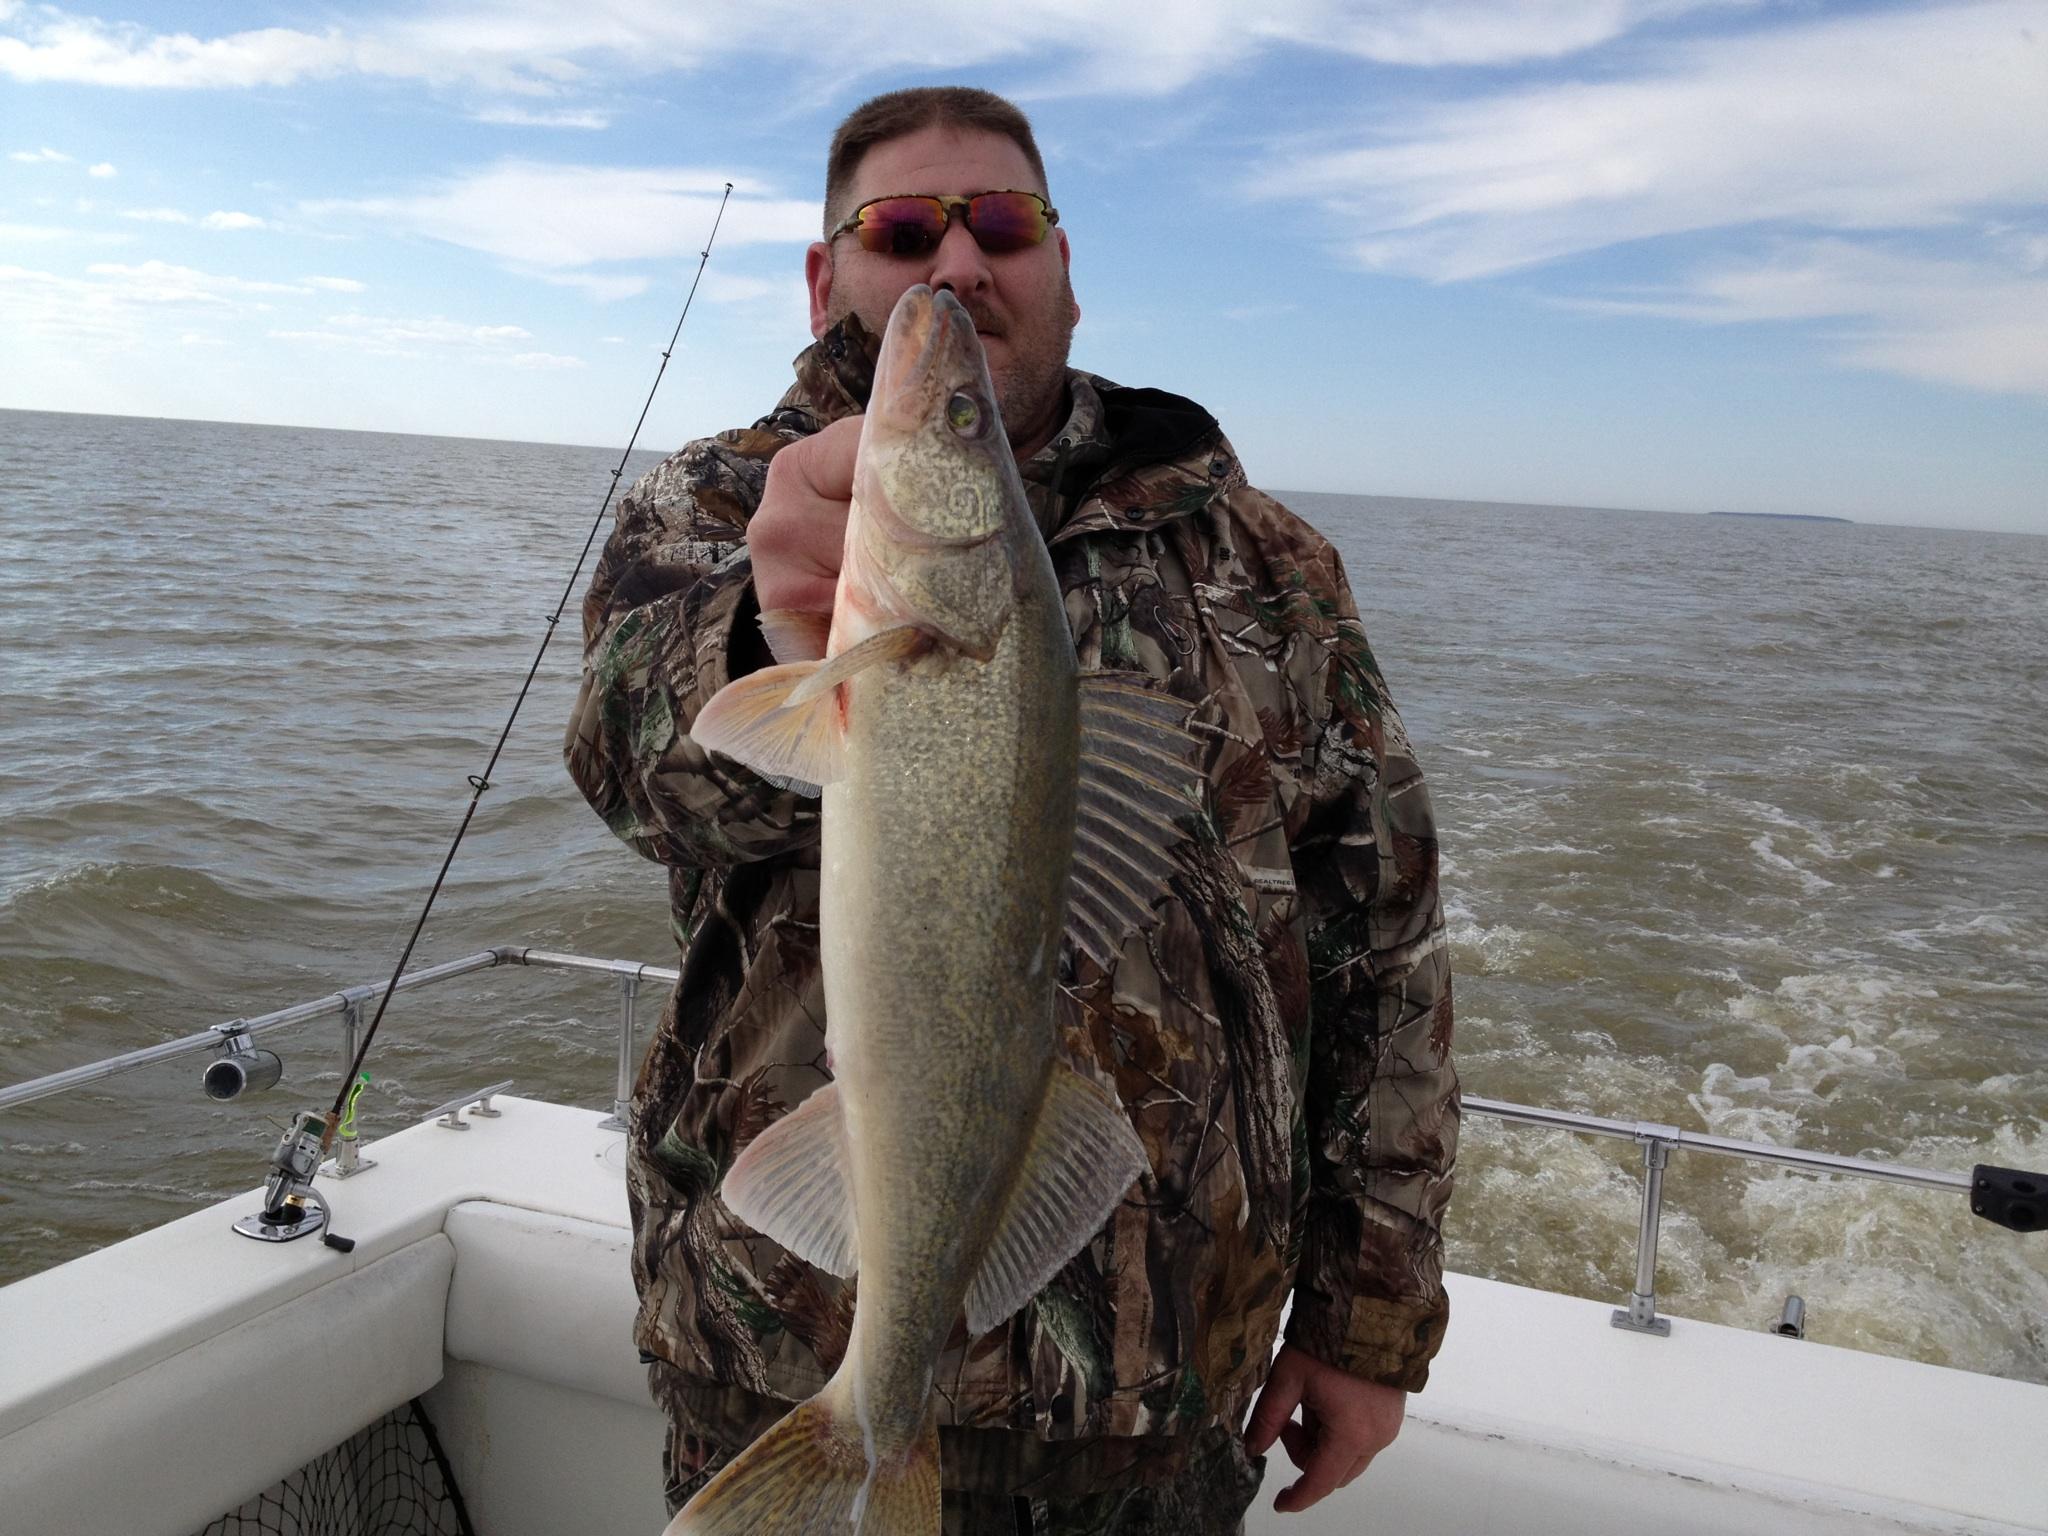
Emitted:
pixel 1743 830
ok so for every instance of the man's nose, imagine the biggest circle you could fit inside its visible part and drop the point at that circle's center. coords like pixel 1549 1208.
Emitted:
pixel 959 263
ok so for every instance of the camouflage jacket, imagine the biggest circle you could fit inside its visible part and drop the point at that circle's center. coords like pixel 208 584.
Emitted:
pixel 1281 1037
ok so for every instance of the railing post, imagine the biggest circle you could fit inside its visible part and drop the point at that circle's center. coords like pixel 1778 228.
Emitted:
pixel 622 1091
pixel 1640 1316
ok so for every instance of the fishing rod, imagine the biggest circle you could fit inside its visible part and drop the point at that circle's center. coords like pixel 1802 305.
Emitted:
pixel 290 1207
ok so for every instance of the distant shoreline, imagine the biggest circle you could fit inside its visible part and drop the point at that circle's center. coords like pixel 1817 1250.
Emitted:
pixel 1787 517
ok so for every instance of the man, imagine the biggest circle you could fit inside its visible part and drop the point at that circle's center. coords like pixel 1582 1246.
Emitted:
pixel 1280 1037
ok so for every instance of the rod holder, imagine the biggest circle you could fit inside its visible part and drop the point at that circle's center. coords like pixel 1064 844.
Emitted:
pixel 241 1067
pixel 348 1159
pixel 1792 1321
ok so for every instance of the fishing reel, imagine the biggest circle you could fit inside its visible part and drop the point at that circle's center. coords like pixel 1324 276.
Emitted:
pixel 292 1208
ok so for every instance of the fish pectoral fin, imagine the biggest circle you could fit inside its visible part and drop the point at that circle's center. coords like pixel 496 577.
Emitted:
pixel 791 1184
pixel 903 642
pixel 757 720
pixel 796 634
pixel 1138 778
pixel 1082 1157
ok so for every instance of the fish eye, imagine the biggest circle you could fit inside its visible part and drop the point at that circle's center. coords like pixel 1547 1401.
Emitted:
pixel 963 415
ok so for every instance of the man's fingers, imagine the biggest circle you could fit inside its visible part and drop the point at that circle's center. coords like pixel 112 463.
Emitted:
pixel 1278 1399
pixel 1322 1473
pixel 798 532
pixel 1299 1443
pixel 1358 1470
pixel 824 460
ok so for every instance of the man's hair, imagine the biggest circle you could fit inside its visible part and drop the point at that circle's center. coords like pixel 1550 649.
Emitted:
pixel 900 113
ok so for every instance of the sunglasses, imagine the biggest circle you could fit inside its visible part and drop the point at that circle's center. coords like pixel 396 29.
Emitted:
pixel 913 226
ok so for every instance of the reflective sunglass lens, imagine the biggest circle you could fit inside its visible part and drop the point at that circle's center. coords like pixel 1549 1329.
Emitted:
pixel 901 226
pixel 1006 221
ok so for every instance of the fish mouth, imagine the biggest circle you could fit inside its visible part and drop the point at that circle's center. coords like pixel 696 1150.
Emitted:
pixel 930 349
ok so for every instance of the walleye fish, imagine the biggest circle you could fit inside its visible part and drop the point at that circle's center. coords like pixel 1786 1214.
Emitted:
pixel 957 1160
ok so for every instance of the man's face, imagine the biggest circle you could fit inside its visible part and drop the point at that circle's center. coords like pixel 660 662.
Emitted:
pixel 1021 301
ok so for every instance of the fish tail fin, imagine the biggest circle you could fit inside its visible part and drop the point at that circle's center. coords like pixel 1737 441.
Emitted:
pixel 901 1496
pixel 809 1476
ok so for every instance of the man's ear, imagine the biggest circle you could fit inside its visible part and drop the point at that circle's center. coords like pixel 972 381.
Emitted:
pixel 818 278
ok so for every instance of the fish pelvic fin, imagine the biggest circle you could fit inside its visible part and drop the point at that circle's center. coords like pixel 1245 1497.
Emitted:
pixel 752 719
pixel 1082 1157
pixel 810 1476
pixel 791 1183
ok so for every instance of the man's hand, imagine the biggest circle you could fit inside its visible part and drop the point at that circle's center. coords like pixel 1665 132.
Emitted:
pixel 796 534
pixel 1345 1422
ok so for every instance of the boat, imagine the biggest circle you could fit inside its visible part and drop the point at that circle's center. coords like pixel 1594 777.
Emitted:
pixel 437 1327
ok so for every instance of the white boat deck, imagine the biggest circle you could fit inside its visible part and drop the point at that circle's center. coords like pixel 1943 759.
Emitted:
pixel 151 1386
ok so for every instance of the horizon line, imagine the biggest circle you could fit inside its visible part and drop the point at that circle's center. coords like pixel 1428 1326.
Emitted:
pixel 1450 499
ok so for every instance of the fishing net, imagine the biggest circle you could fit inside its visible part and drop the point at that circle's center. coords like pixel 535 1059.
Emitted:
pixel 390 1479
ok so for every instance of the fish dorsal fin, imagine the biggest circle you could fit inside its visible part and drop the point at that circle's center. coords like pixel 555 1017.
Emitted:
pixel 901 642
pixel 791 1183
pixel 1138 777
pixel 1082 1157
pixel 796 634
pixel 752 719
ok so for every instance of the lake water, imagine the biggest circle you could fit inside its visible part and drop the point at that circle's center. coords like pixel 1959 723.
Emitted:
pixel 1745 828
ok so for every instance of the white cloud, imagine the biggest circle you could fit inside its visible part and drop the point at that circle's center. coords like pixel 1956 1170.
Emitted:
pixel 541 49
pixel 739 288
pixel 1832 157
pixel 1479 31
pixel 112 303
pixel 601 286
pixel 26 232
pixel 38 156
pixel 399 336
pixel 84 50
pixel 521 117
pixel 565 216
pixel 159 282
pixel 103 170
pixel 1975 323
pixel 218 219
pixel 336 284
pixel 544 361
pixel 1883 120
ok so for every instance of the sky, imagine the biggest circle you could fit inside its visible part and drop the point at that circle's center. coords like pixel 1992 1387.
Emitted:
pixel 1674 254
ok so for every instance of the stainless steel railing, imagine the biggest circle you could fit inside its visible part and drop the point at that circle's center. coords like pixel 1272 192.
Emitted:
pixel 1658 1141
